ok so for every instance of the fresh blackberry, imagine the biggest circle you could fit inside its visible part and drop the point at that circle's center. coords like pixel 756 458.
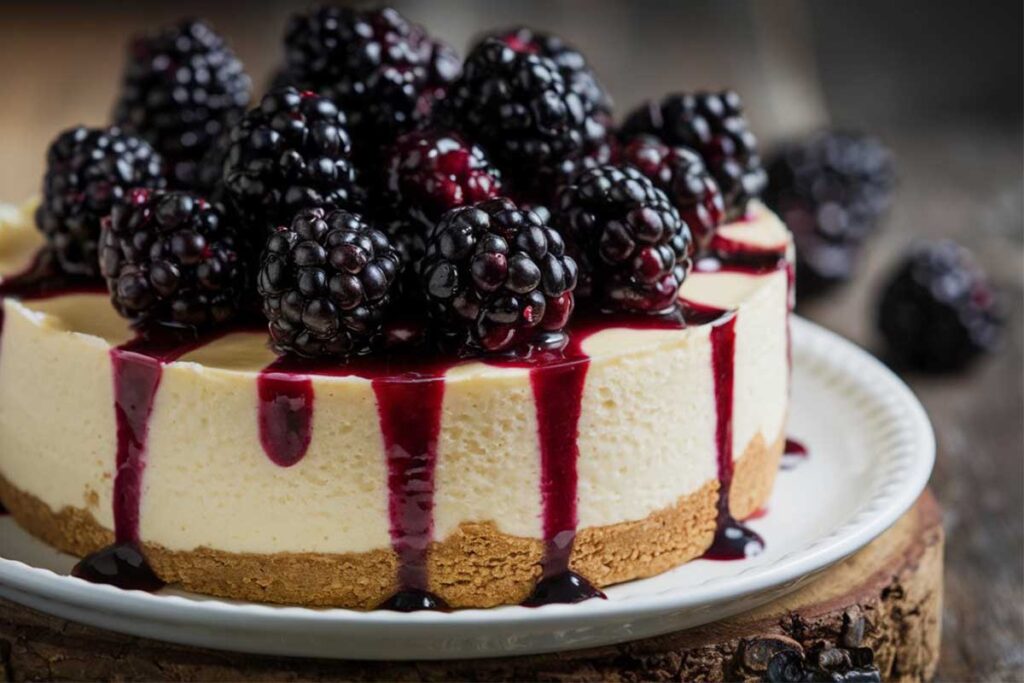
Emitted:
pixel 831 190
pixel 497 278
pixel 429 173
pixel 520 107
pixel 712 124
pixel 171 258
pixel 290 153
pixel 87 171
pixel 383 70
pixel 681 174
pixel 570 61
pixel 325 281
pixel 182 89
pixel 633 247
pixel 937 311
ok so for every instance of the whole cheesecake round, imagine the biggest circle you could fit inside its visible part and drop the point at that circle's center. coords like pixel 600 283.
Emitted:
pixel 239 475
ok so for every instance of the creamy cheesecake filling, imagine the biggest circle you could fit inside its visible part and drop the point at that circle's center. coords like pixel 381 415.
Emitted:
pixel 648 423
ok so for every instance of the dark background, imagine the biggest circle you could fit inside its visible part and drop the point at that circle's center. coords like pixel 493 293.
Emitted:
pixel 940 82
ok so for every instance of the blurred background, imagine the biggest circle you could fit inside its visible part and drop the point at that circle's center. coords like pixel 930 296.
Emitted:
pixel 939 83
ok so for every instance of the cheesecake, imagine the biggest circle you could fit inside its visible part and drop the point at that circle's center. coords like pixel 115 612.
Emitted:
pixel 454 342
pixel 242 478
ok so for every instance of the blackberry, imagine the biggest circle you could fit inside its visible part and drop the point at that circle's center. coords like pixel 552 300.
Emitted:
pixel 383 70
pixel 937 311
pixel 427 174
pixel 497 278
pixel 681 174
pixel 633 247
pixel 520 107
pixel 831 190
pixel 712 124
pixel 169 257
pixel 87 171
pixel 570 62
pixel 326 281
pixel 182 89
pixel 290 153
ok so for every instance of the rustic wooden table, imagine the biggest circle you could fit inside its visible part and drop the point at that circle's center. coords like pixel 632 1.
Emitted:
pixel 960 179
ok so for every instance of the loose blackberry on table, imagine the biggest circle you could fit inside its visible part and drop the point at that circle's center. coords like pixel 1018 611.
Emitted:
pixel 831 190
pixel 182 88
pixel 291 152
pixel 938 310
pixel 497 279
pixel 681 174
pixel 521 108
pixel 87 171
pixel 170 257
pixel 326 281
pixel 633 247
pixel 383 70
pixel 713 124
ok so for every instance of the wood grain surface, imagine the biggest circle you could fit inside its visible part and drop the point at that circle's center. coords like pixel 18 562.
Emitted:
pixel 960 177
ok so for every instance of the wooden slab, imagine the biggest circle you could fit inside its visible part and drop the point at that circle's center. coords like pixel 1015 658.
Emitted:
pixel 882 605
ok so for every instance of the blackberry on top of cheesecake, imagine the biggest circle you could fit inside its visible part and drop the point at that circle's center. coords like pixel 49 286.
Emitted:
pixel 431 339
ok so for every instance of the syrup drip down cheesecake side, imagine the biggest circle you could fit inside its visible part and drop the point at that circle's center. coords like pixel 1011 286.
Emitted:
pixel 459 343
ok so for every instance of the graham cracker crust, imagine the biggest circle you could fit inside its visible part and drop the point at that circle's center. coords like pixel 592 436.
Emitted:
pixel 477 566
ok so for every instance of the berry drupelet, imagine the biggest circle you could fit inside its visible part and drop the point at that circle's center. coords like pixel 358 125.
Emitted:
pixel 171 258
pixel 291 152
pixel 831 190
pixel 182 89
pixel 326 281
pixel 938 311
pixel 497 279
pixel 681 174
pixel 519 106
pixel 712 124
pixel 429 173
pixel 383 70
pixel 633 247
pixel 87 171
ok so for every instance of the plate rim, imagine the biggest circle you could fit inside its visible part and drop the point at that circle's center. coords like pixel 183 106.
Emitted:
pixel 875 514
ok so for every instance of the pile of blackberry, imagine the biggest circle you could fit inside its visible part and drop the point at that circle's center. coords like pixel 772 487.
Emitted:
pixel 713 124
pixel 633 248
pixel 384 71
pixel 384 190
pixel 88 170
pixel 938 311
pixel 182 89
pixel 171 258
pixel 831 189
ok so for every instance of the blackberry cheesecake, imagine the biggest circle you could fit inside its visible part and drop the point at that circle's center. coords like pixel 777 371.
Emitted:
pixel 499 352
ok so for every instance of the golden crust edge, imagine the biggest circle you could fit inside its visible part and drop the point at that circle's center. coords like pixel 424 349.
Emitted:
pixel 476 566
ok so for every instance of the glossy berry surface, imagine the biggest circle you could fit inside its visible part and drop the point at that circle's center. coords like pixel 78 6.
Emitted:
pixel 384 71
pixel 634 249
pixel 831 189
pixel 520 107
pixel 714 125
pixel 88 170
pixel 938 311
pixel 290 153
pixel 326 280
pixel 497 278
pixel 428 173
pixel 182 89
pixel 680 173
pixel 171 258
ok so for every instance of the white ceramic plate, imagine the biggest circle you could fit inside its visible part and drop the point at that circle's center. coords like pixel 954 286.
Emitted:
pixel 872 451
